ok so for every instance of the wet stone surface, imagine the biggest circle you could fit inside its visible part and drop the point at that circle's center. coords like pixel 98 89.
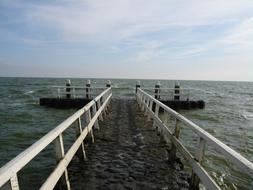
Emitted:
pixel 127 154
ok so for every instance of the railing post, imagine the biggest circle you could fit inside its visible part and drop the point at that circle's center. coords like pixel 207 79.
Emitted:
pixel 156 109
pixel 12 184
pixel 58 93
pixel 108 85
pixel 88 119
pixel 137 95
pixel 59 151
pixel 143 103
pixel 109 101
pixel 146 107
pixel 74 92
pixel 99 105
pixel 138 85
pixel 156 114
pixel 177 91
pixel 173 152
pixel 94 111
pixel 88 91
pixel 139 98
pixel 157 90
pixel 68 83
pixel 150 109
pixel 81 151
pixel 199 154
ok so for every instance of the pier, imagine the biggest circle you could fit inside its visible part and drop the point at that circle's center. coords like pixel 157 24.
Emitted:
pixel 124 144
pixel 71 96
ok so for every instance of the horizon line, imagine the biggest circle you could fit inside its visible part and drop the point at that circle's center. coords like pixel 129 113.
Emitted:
pixel 115 78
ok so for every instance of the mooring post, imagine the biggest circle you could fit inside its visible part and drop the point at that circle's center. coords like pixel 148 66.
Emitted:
pixel 108 84
pixel 138 85
pixel 177 91
pixel 68 83
pixel 157 90
pixel 88 94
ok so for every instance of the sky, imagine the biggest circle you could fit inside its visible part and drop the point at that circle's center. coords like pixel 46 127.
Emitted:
pixel 153 39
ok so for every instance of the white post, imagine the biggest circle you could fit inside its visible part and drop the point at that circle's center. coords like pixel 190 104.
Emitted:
pixel 14 183
pixel 143 103
pixel 173 152
pixel 59 93
pixel 88 119
pixel 59 151
pixel 81 151
pixel 74 92
pixel 100 115
pixel 199 154
pixel 150 109
pixel 146 107
pixel 94 110
pixel 156 115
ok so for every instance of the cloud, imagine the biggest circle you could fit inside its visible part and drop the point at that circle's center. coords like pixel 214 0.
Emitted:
pixel 241 35
pixel 128 31
pixel 113 21
pixel 101 20
pixel 147 53
pixel 236 40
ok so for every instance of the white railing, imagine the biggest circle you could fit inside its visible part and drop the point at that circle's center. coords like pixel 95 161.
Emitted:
pixel 93 111
pixel 170 93
pixel 147 102
pixel 77 91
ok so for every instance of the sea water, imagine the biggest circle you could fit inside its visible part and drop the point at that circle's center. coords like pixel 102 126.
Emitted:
pixel 228 115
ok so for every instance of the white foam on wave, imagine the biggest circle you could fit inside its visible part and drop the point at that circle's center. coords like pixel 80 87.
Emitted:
pixel 29 92
pixel 248 115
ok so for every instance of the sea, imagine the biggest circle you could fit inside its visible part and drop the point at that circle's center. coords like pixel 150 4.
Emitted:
pixel 228 116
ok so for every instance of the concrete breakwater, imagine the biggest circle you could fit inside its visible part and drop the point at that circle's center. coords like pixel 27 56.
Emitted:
pixel 71 96
pixel 127 154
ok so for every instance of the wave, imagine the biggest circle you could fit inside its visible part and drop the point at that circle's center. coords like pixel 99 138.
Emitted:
pixel 247 115
pixel 29 92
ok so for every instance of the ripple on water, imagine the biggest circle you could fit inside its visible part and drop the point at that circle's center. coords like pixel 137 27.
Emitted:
pixel 228 116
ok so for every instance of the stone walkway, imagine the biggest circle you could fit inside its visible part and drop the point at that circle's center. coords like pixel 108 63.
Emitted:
pixel 127 154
